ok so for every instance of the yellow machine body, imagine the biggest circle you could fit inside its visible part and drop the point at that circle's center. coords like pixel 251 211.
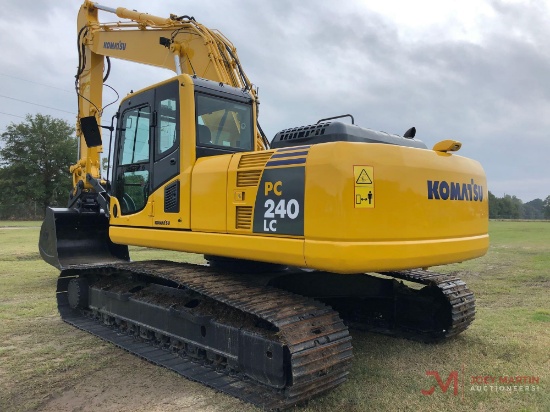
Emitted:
pixel 357 207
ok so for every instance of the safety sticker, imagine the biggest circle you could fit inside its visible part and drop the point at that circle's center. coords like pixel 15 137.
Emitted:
pixel 364 186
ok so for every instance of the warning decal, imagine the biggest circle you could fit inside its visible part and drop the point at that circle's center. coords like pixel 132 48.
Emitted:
pixel 364 178
pixel 364 186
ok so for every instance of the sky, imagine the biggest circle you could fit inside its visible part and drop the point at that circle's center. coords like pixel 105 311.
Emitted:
pixel 477 71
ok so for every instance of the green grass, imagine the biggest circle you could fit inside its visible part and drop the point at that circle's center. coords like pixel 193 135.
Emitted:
pixel 41 357
pixel 19 223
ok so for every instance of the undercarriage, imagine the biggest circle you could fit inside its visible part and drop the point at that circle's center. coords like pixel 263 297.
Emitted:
pixel 273 339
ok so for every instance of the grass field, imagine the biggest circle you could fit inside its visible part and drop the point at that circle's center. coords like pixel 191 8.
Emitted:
pixel 47 365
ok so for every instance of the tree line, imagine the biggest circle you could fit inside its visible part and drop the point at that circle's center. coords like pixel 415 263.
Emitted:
pixel 510 207
pixel 35 156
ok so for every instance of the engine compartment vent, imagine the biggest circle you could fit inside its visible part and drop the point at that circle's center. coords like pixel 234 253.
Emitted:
pixel 244 217
pixel 333 131
pixel 248 177
pixel 171 198
pixel 254 159
pixel 303 131
pixel 252 166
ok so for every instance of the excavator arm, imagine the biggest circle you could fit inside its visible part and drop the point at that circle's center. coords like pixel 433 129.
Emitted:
pixel 180 44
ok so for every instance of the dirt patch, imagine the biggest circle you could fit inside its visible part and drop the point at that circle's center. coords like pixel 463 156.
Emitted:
pixel 139 386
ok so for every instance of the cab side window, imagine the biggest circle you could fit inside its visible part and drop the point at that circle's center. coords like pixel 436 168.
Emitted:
pixel 167 119
pixel 223 123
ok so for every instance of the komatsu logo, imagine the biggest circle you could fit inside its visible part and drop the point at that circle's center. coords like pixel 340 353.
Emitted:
pixel 114 45
pixel 442 190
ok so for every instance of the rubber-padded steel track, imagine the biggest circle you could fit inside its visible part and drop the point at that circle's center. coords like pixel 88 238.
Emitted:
pixel 318 343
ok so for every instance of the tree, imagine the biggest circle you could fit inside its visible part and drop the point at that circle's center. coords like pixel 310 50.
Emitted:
pixel 547 207
pixel 512 207
pixel 507 207
pixel 104 165
pixel 35 161
pixel 533 209
pixel 494 206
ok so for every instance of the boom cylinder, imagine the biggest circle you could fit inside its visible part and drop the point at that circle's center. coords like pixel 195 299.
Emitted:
pixel 124 13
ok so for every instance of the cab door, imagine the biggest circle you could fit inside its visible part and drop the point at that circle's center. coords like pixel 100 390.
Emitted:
pixel 147 159
pixel 165 184
pixel 132 174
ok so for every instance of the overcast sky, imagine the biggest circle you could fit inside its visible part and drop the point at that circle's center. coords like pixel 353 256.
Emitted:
pixel 472 70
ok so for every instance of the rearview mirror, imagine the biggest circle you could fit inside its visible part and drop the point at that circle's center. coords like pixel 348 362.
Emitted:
pixel 90 130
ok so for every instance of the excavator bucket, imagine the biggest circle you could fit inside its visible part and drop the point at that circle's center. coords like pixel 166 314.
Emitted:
pixel 69 238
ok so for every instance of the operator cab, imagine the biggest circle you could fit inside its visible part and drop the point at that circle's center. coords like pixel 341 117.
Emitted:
pixel 154 127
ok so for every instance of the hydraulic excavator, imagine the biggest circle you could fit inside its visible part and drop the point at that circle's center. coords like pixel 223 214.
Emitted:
pixel 330 226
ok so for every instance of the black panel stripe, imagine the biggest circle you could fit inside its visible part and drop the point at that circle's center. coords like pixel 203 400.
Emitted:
pixel 287 149
pixel 287 162
pixel 301 153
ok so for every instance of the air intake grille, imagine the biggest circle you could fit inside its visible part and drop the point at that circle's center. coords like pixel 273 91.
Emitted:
pixel 171 198
pixel 248 177
pixel 254 160
pixel 303 131
pixel 253 165
pixel 244 217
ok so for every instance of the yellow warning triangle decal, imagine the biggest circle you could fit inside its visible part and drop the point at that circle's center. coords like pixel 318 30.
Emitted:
pixel 364 178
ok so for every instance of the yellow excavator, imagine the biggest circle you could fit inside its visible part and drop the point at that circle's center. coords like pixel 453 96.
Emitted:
pixel 330 226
